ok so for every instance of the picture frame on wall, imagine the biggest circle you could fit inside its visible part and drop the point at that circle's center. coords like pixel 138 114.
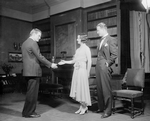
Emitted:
pixel 65 39
pixel 15 57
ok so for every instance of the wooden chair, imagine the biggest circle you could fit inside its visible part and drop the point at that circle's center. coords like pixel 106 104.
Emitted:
pixel 135 79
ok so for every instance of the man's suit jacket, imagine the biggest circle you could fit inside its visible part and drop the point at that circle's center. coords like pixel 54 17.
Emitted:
pixel 108 51
pixel 31 58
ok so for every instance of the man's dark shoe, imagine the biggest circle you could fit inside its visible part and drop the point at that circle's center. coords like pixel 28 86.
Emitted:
pixel 32 116
pixel 98 111
pixel 105 115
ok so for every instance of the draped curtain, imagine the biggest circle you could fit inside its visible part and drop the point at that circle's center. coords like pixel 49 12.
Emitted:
pixel 139 40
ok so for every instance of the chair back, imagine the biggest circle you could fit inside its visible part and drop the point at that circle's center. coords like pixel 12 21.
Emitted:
pixel 135 77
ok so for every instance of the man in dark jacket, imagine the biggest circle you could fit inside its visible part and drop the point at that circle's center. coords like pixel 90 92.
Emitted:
pixel 107 53
pixel 32 71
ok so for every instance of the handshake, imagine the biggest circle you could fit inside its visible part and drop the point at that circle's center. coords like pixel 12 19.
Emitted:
pixel 54 65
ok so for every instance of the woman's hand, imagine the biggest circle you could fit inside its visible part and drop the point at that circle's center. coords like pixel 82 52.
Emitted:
pixel 62 62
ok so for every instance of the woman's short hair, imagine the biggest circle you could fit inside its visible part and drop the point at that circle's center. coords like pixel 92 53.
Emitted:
pixel 83 37
pixel 35 31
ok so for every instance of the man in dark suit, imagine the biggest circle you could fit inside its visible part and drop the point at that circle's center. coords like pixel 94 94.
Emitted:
pixel 107 53
pixel 32 71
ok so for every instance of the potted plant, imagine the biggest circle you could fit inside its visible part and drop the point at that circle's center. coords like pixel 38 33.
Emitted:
pixel 7 68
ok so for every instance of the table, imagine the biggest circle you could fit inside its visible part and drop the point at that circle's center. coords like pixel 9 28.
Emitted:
pixel 63 75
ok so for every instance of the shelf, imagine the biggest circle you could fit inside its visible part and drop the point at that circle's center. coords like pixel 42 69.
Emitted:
pixel 45 42
pixel 44 45
pixel 101 18
pixel 107 15
pixel 102 13
pixel 45 39
pixel 93 65
pixel 112 21
pixel 94 29
pixel 94 38
pixel 93 34
pixel 44 48
pixel 94 56
pixel 93 47
pixel 45 51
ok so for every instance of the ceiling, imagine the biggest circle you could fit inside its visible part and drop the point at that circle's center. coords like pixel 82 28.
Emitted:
pixel 32 6
pixel 28 6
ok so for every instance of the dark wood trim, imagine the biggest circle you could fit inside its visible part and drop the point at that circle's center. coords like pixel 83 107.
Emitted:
pixel 16 19
pixel 64 12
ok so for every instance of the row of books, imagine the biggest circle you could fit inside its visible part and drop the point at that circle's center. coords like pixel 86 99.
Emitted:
pixel 109 22
pixel 114 67
pixel 94 60
pixel 45 34
pixel 92 71
pixel 45 48
pixel 102 14
pixel 93 51
pixel 47 55
pixel 92 34
pixel 111 31
pixel 92 80
pixel 44 41
pixel 93 42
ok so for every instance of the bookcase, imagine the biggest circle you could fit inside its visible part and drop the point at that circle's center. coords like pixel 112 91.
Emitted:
pixel 45 46
pixel 108 15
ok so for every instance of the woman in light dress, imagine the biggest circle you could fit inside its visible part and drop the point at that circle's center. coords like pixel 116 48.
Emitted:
pixel 80 84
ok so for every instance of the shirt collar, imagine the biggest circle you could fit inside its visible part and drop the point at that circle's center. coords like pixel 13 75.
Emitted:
pixel 105 35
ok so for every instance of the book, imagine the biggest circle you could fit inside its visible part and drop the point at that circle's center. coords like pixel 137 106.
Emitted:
pixel 102 14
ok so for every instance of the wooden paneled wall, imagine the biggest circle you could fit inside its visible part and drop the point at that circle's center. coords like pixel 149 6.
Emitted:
pixel 12 30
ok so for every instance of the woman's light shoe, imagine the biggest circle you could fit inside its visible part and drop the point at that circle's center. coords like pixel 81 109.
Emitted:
pixel 83 111
pixel 78 111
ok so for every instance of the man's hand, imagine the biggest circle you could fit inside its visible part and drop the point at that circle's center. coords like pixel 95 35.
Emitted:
pixel 54 65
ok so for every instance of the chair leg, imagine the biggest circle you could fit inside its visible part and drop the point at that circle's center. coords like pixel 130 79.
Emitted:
pixel 142 101
pixel 113 107
pixel 132 108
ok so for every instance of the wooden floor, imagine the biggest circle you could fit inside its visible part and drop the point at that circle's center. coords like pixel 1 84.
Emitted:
pixel 57 109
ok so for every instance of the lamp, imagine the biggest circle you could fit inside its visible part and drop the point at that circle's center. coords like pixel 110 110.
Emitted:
pixel 146 4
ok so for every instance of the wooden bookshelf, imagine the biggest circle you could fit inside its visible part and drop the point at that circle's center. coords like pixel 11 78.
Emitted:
pixel 107 13
pixel 45 45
